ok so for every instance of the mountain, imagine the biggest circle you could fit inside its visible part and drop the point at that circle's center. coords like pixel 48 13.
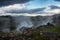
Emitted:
pixel 27 21
pixel 41 20
pixel 56 19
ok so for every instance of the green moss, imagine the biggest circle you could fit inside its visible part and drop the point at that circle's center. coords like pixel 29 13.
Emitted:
pixel 55 29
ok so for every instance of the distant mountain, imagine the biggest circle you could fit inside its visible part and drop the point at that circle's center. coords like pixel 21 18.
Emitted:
pixel 23 22
pixel 56 19
pixel 34 21
pixel 41 20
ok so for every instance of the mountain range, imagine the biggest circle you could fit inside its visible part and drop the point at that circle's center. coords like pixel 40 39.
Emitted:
pixel 29 21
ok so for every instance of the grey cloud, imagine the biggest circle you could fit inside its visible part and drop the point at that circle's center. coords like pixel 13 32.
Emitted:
pixel 27 11
pixel 54 7
pixel 10 2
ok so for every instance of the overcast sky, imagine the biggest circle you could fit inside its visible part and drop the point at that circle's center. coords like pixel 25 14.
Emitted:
pixel 23 7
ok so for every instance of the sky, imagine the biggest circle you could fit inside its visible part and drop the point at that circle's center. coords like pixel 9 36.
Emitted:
pixel 30 7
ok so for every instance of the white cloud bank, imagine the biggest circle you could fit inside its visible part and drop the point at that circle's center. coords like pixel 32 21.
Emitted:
pixel 11 7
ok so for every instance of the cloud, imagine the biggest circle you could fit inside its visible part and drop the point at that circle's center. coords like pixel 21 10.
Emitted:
pixel 50 9
pixel 11 8
pixel 19 9
pixel 37 10
pixel 54 7
pixel 26 10
pixel 55 11
pixel 10 2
